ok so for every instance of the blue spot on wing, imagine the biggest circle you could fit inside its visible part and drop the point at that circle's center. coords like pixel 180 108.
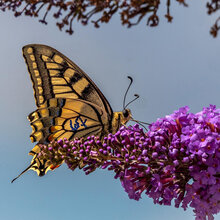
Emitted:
pixel 76 123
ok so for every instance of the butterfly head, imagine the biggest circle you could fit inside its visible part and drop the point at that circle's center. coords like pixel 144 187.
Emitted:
pixel 120 118
pixel 126 116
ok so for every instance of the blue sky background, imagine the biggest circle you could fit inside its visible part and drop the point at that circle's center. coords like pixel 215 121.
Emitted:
pixel 173 65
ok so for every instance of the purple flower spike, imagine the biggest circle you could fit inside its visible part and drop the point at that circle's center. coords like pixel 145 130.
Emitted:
pixel 178 159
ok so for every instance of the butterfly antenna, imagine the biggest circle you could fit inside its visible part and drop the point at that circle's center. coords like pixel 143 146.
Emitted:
pixel 140 122
pixel 136 97
pixel 23 172
pixel 127 91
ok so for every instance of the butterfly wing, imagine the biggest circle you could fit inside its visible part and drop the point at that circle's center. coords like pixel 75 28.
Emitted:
pixel 69 103
pixel 55 76
pixel 65 118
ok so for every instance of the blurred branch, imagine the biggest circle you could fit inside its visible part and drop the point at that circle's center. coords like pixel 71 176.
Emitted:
pixel 131 12
pixel 213 7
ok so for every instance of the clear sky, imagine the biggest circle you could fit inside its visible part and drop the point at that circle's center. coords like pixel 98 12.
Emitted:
pixel 173 65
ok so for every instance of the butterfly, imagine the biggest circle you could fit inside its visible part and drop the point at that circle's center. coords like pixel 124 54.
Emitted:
pixel 69 104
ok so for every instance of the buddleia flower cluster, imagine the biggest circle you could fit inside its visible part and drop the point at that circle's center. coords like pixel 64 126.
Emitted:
pixel 176 160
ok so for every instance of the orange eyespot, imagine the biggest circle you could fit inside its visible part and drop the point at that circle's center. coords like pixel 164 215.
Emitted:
pixel 52 167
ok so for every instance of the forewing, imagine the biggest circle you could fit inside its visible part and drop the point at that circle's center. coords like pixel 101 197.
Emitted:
pixel 55 76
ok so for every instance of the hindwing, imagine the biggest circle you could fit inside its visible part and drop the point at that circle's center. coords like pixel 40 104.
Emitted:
pixel 66 118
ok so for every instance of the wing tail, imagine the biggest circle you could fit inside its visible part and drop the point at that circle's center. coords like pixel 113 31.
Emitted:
pixel 29 167
pixel 40 166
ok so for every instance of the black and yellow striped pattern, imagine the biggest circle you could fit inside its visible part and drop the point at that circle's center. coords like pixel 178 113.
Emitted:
pixel 53 119
pixel 55 76
pixel 69 104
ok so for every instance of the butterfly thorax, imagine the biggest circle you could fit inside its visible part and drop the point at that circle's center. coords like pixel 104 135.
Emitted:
pixel 120 118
